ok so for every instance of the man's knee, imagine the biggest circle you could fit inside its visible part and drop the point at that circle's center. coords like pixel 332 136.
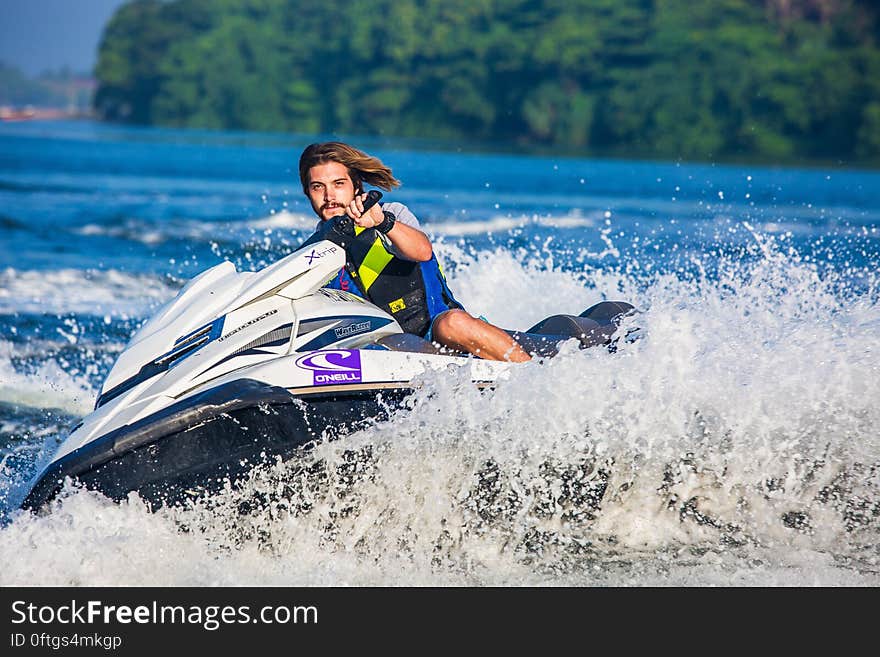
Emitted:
pixel 454 324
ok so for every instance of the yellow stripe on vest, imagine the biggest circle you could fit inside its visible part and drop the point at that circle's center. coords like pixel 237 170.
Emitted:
pixel 376 260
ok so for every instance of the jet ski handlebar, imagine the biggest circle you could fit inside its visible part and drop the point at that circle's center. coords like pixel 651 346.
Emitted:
pixel 345 224
pixel 340 229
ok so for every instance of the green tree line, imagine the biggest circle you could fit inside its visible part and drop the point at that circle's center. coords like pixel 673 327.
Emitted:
pixel 698 79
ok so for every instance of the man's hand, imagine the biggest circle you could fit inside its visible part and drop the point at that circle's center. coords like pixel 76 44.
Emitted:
pixel 410 243
pixel 368 219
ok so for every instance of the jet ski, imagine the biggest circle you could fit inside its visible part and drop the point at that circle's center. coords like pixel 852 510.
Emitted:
pixel 245 367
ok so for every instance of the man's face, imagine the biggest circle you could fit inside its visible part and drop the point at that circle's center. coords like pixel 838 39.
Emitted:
pixel 330 189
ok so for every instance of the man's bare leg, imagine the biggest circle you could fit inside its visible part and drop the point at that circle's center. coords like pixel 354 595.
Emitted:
pixel 458 330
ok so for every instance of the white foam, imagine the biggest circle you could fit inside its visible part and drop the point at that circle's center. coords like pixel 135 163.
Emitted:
pixel 501 285
pixel 152 233
pixel 738 435
pixel 49 386
pixel 132 230
pixel 91 292
pixel 503 224
pixel 283 219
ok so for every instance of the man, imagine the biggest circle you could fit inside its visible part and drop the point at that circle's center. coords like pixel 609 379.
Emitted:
pixel 390 261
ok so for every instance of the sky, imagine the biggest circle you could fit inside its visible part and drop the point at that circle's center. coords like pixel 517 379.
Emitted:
pixel 39 35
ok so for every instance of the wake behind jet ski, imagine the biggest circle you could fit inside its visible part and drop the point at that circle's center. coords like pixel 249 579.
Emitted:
pixel 243 367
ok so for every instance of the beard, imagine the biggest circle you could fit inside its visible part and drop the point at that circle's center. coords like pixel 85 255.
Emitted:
pixel 329 210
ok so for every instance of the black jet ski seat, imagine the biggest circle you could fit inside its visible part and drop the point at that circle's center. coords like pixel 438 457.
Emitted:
pixel 595 326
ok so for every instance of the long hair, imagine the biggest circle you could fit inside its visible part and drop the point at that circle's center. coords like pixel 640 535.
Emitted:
pixel 361 167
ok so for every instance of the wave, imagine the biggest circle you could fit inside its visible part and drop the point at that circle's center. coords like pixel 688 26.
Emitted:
pixel 735 442
pixel 10 223
pixel 283 219
pixel 47 385
pixel 151 232
pixel 110 292
pixel 503 224
pixel 501 284
pixel 141 231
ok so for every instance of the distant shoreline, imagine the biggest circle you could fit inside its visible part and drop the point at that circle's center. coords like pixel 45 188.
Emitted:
pixel 293 139
pixel 10 114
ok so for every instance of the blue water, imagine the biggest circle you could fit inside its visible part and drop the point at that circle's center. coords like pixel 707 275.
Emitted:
pixel 739 433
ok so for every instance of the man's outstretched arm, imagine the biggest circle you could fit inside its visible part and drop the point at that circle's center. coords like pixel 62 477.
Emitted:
pixel 409 242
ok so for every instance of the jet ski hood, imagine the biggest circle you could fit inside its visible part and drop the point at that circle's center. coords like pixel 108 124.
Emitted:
pixel 206 309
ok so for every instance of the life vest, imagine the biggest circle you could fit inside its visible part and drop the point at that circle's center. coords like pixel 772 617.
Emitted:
pixel 412 292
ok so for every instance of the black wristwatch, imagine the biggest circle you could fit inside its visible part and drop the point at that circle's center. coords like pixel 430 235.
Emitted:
pixel 387 223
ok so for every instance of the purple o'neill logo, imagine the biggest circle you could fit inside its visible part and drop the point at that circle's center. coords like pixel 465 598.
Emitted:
pixel 333 367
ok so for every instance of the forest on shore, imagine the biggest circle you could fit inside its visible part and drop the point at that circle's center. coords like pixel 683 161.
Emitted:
pixel 767 80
